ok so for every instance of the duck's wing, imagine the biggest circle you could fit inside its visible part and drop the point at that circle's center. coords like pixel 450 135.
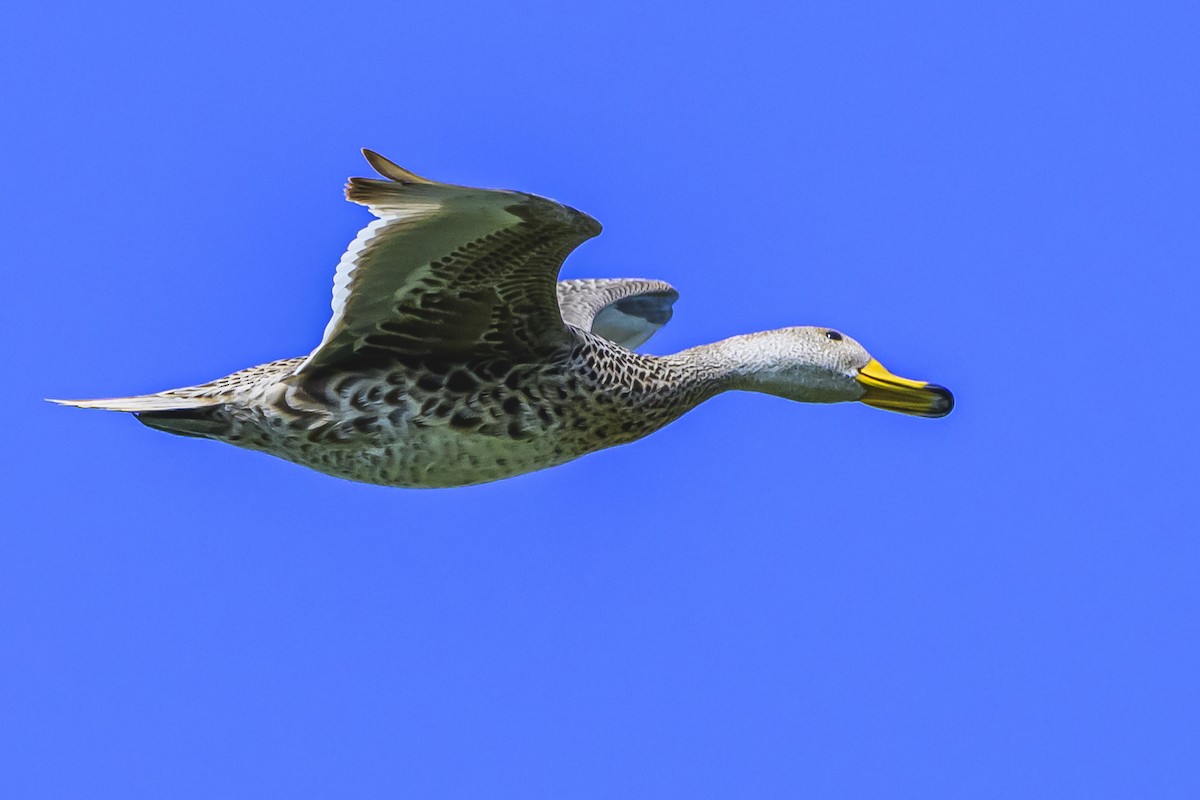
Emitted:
pixel 449 271
pixel 627 311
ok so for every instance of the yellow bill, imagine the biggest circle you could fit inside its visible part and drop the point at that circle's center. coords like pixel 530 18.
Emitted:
pixel 882 389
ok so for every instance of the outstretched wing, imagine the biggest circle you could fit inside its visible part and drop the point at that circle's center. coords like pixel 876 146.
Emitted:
pixel 449 271
pixel 627 311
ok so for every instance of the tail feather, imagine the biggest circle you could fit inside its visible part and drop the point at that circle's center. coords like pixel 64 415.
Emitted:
pixel 202 417
pixel 163 401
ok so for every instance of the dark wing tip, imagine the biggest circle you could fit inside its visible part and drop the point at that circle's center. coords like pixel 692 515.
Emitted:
pixel 391 170
pixel 369 191
pixel 655 308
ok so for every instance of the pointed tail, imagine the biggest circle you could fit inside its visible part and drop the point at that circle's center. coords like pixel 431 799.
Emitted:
pixel 202 417
pixel 163 401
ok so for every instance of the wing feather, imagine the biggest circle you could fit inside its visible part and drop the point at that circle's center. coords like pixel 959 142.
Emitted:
pixel 448 270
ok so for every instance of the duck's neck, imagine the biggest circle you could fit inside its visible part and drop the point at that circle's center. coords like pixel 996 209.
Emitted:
pixel 692 376
pixel 652 391
pixel 768 362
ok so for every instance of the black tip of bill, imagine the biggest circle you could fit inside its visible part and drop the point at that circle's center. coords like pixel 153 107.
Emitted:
pixel 943 401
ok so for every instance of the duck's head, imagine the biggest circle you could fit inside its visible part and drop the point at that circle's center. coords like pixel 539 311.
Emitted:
pixel 822 365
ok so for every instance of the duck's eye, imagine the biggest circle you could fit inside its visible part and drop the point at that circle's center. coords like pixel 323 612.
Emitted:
pixel 834 335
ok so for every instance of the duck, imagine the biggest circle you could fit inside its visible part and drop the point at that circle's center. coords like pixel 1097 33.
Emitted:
pixel 454 355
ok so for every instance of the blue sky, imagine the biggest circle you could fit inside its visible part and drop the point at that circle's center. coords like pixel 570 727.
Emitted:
pixel 763 600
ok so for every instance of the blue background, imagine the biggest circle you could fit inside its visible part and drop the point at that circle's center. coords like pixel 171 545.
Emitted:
pixel 763 600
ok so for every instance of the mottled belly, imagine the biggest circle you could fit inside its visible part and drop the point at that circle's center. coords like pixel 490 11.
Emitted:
pixel 392 446
pixel 428 458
